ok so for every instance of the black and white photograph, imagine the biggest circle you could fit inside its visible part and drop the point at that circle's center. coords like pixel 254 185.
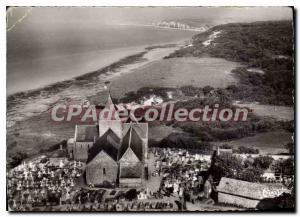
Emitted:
pixel 150 109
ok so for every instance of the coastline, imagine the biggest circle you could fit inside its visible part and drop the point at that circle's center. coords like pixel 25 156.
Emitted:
pixel 114 57
pixel 28 122
pixel 30 103
pixel 70 67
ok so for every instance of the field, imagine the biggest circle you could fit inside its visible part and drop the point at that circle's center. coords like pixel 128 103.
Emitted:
pixel 285 113
pixel 267 143
pixel 158 131
pixel 177 72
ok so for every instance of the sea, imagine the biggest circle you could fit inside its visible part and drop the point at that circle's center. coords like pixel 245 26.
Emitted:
pixel 37 57
pixel 40 58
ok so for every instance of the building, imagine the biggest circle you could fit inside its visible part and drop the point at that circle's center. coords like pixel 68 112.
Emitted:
pixel 221 151
pixel 102 163
pixel 114 151
pixel 246 194
pixel 84 139
pixel 269 175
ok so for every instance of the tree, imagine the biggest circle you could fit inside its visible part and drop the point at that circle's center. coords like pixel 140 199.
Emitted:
pixel 225 165
pixel 263 162
pixel 207 89
pixel 131 194
pixel 284 202
pixel 287 166
pixel 225 146
pixel 17 159
pixel 251 174
pixel 290 146
pixel 246 150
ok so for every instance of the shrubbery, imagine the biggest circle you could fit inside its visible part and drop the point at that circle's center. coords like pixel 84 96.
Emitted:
pixel 264 45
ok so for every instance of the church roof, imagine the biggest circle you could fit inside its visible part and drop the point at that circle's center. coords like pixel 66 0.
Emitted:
pixel 109 101
pixel 86 133
pixel 132 140
pixel 108 142
pixel 137 117
pixel 131 170
pixel 140 128
pixel 112 108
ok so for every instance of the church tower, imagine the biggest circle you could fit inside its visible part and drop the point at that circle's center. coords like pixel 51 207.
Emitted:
pixel 109 119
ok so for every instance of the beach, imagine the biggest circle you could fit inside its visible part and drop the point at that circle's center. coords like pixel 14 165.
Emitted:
pixel 63 67
pixel 30 103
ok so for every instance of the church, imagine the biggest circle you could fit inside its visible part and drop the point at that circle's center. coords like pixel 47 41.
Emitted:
pixel 115 152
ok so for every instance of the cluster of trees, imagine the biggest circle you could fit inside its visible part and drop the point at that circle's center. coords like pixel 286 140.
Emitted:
pixel 265 45
pixel 16 159
pixel 183 141
pixel 212 131
pixel 241 149
pixel 273 87
pixel 230 166
pixel 189 90
pixel 290 147
pixel 285 201
pixel 136 96
pixel 221 131
pixel 286 167
pixel 251 169
pixel 246 150
pixel 54 147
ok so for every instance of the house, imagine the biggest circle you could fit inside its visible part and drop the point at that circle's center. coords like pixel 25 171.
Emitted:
pixel 269 175
pixel 221 151
pixel 246 194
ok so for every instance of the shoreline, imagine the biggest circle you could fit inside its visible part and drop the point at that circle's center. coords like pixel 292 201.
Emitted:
pixel 193 29
pixel 107 57
pixel 137 50
pixel 30 103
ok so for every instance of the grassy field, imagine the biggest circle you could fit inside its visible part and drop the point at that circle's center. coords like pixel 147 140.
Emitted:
pixel 177 72
pixel 285 113
pixel 159 131
pixel 270 142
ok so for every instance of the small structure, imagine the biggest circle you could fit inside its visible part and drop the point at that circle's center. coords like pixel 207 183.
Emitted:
pixel 246 194
pixel 224 151
pixel 269 175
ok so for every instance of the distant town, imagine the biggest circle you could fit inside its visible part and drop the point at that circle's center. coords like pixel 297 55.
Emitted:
pixel 179 25
pixel 172 25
